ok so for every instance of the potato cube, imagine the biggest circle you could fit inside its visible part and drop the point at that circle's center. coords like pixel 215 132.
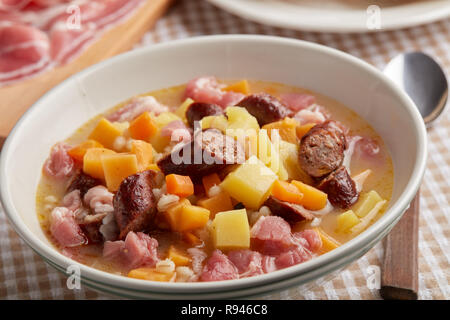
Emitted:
pixel 216 122
pixel 366 202
pixel 92 162
pixel 192 217
pixel 143 152
pixel 174 212
pixel 178 257
pixel 181 111
pixel 218 203
pixel 286 129
pixel 250 183
pixel 117 167
pixel 268 154
pixel 163 119
pixel 240 123
pixel 146 273
pixel 159 142
pixel 106 133
pixel 346 221
pixel 230 230
pixel 289 158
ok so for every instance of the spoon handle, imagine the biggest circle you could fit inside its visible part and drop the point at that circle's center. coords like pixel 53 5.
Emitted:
pixel 400 266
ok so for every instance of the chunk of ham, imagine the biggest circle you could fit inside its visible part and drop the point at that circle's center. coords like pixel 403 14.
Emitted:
pixel 99 199
pixel 138 249
pixel 59 164
pixel 65 229
pixel 207 89
pixel 197 258
pixel 218 267
pixel 136 107
pixel 24 51
pixel 72 200
pixel 177 131
pixel 297 101
pixel 271 235
pixel 307 242
pixel 248 262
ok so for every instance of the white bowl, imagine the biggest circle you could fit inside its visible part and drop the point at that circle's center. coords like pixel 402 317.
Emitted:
pixel 353 82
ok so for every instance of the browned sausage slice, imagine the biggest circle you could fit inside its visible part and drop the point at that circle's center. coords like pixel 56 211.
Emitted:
pixel 322 149
pixel 198 110
pixel 134 203
pixel 340 187
pixel 82 182
pixel 265 108
pixel 290 212
pixel 208 152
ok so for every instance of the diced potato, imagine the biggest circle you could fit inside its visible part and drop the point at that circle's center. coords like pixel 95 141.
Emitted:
pixel 240 123
pixel 366 203
pixel 77 153
pixel 143 127
pixel 117 167
pixel 178 257
pixel 92 162
pixel 230 230
pixel 163 119
pixel 106 133
pixel 268 154
pixel 365 221
pixel 146 273
pixel 289 158
pixel 218 203
pixel 192 217
pixel 250 183
pixel 328 243
pixel 286 129
pixel 241 86
pixel 217 122
pixel 159 142
pixel 143 152
pixel 303 129
pixel 346 221
pixel 313 198
pixel 181 111
pixel 174 212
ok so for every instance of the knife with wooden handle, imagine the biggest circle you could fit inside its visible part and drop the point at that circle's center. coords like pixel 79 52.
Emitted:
pixel 399 278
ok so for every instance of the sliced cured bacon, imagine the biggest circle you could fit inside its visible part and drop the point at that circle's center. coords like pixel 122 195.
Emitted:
pixel 297 101
pixel 65 229
pixel 59 164
pixel 24 51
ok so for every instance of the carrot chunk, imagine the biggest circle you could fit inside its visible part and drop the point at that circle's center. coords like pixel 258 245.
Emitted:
pixel 303 129
pixel 285 191
pixel 210 181
pixel 143 127
pixel 241 86
pixel 191 238
pixel 313 198
pixel 178 257
pixel 181 186
pixel 78 152
pixel 328 243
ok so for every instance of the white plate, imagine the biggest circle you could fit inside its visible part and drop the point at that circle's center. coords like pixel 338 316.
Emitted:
pixel 338 15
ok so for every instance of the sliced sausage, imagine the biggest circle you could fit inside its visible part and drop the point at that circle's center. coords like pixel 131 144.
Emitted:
pixel 134 203
pixel 198 110
pixel 91 227
pixel 208 152
pixel 290 212
pixel 340 187
pixel 322 149
pixel 82 182
pixel 265 108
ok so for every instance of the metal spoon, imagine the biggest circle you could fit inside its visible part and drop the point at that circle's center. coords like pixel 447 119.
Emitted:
pixel 425 82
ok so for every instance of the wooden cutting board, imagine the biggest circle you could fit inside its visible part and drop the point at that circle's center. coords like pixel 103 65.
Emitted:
pixel 17 98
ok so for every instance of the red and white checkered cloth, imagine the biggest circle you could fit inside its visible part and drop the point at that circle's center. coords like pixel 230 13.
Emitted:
pixel 24 275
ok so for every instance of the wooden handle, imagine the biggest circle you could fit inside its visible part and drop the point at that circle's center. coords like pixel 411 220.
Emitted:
pixel 400 266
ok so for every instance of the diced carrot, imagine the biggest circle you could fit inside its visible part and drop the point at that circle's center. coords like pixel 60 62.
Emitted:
pixel 302 130
pixel 191 238
pixel 106 133
pixel 313 198
pixel 285 191
pixel 328 243
pixel 181 186
pixel 153 166
pixel 146 273
pixel 192 217
pixel 286 129
pixel 177 257
pixel 210 181
pixel 144 153
pixel 217 203
pixel 143 127
pixel 78 152
pixel 241 86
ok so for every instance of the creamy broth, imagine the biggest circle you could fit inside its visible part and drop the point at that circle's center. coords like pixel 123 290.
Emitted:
pixel 50 193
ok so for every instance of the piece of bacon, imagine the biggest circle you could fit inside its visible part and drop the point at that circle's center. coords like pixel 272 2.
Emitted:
pixel 59 164
pixel 65 229
pixel 136 107
pixel 218 267
pixel 177 131
pixel 297 101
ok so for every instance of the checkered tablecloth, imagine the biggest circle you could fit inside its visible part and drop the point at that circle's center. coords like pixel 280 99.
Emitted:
pixel 23 274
